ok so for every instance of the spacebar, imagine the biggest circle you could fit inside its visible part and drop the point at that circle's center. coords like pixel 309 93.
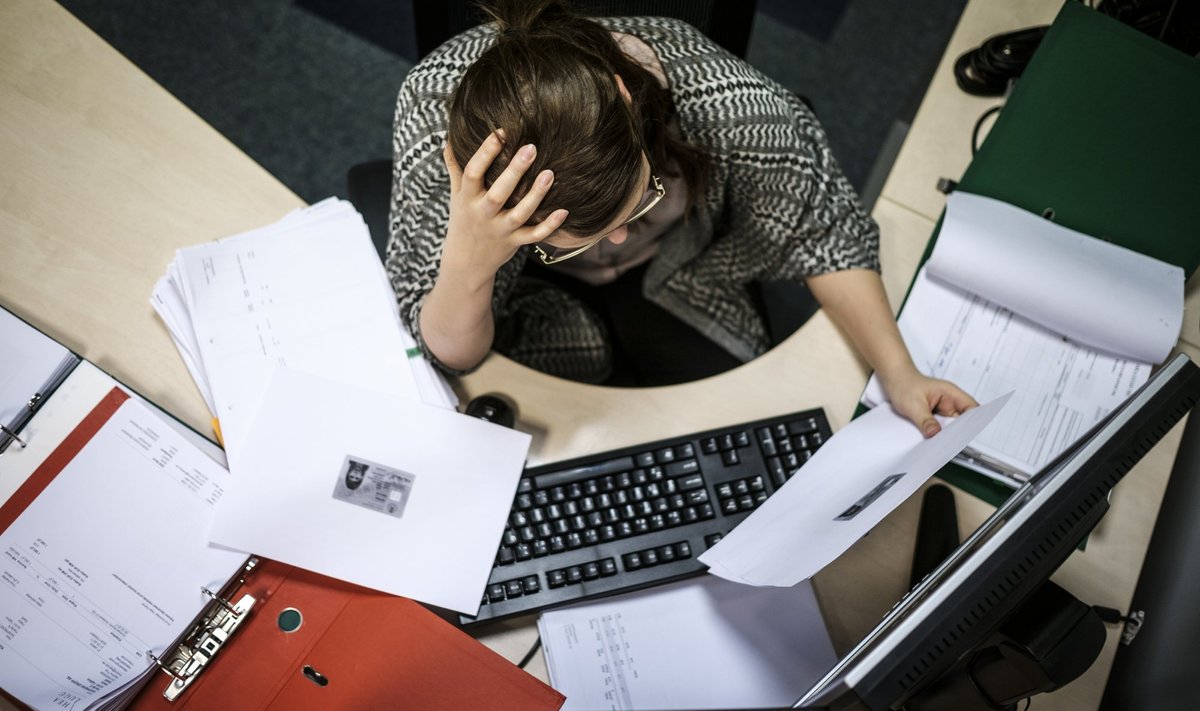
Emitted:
pixel 566 476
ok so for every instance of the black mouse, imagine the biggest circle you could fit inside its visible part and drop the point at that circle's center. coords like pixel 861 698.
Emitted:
pixel 492 408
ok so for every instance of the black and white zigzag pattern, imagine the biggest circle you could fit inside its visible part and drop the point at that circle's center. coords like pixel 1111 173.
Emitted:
pixel 776 204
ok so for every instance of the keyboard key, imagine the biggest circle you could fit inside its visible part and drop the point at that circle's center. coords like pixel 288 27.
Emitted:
pixel 594 519
pixel 518 519
pixel 756 484
pixel 705 511
pixel 802 426
pixel 524 501
pixel 685 451
pixel 540 549
pixel 666 554
pixel 557 544
pixel 692 481
pixel 664 455
pixel 686 466
pixel 541 498
pixel 660 505
pixel 557 495
pixel 574 540
pixel 741 486
pixel 591 537
pixel 527 534
pixel 574 575
pixel 745 503
pixel 709 445
pixel 683 549
pixel 641 525
pixel 691 515
pixel 505 556
pixel 780 431
pixel 698 496
pixel 656 473
pixel 610 466
pixel 495 592
pixel 608 567
pixel 537 515
pixel 649 558
pixel 530 584
pixel 726 442
pixel 556 578
pixel 561 526
pixel 525 485
pixel 785 446
pixel 509 538
pixel 608 533
pixel 624 529
pixel 640 477
pixel 724 490
pixel 673 518
pixel 652 490
pixel 645 459
pixel 544 531
pixel 729 506
pixel 587 504
pixel 791 461
pixel 730 457
pixel 623 480
pixel 712 539
pixel 637 493
pixel 523 551
pixel 578 523
pixel 512 588
pixel 778 473
pixel 769 449
pixel 632 561
pixel 591 487
pixel 591 571
pixel 676 502
pixel 669 486
pixel 574 491
pixel 764 434
pixel 657 522
pixel 742 438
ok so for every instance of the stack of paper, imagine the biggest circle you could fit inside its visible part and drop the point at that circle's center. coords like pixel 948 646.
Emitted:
pixel 308 293
pixel 1010 301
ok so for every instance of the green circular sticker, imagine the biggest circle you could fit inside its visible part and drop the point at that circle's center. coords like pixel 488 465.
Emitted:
pixel 290 620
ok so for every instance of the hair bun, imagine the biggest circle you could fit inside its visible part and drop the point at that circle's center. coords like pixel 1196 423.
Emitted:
pixel 519 17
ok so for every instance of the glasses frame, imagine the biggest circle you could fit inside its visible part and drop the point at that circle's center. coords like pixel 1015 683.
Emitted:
pixel 549 259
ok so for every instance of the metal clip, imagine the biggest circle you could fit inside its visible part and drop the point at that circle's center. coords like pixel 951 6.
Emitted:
pixel 215 625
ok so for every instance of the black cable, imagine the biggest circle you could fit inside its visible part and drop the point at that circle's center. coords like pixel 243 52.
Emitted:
pixel 979 125
pixel 988 69
pixel 537 643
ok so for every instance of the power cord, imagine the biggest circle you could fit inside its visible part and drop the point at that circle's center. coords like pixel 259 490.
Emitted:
pixel 537 644
pixel 988 69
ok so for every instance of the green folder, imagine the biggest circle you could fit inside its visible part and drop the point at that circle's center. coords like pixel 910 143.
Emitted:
pixel 1103 131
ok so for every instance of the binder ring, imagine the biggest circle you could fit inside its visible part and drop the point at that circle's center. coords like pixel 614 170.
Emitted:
pixel 13 436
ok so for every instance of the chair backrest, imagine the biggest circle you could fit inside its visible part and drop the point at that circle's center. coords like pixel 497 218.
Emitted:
pixel 726 22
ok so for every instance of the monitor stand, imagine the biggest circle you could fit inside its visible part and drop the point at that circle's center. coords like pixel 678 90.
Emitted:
pixel 1049 641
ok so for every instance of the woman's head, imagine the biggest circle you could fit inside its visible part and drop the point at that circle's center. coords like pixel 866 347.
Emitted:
pixel 551 79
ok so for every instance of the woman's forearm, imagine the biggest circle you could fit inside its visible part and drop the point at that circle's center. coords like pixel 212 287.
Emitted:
pixel 857 303
pixel 456 321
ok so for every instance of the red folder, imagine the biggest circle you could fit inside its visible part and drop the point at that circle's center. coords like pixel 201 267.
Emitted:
pixel 355 648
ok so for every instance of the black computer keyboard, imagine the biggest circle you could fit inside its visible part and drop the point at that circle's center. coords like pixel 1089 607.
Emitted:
pixel 638 516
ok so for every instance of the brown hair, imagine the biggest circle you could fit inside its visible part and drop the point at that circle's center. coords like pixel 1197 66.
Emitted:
pixel 548 80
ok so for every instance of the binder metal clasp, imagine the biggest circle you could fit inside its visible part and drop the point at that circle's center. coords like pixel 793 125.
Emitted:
pixel 213 628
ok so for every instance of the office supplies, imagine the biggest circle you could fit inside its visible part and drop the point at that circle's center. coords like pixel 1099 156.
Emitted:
pixel 1128 177
pixel 353 649
pixel 88 605
pixel 32 366
pixel 1010 301
pixel 637 516
pixel 859 476
pixel 701 643
pixel 378 490
pixel 307 292
pixel 943 645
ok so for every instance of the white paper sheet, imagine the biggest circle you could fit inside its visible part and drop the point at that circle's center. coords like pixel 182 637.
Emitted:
pixel 310 296
pixel 1094 292
pixel 855 479
pixel 702 643
pixel 437 547
pixel 28 360
pixel 107 563
pixel 1060 388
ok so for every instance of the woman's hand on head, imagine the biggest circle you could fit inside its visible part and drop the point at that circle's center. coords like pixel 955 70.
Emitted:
pixel 917 397
pixel 482 234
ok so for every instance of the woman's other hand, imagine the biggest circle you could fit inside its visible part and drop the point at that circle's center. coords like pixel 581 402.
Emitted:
pixel 482 234
pixel 918 397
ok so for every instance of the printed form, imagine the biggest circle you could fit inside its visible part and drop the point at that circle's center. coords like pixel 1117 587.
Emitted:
pixel 107 563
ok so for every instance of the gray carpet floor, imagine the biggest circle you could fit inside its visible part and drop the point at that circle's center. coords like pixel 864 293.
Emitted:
pixel 307 98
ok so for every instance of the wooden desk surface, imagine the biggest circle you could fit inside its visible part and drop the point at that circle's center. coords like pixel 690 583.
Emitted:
pixel 106 175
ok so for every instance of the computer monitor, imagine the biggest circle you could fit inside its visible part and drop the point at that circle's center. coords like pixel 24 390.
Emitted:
pixel 957 609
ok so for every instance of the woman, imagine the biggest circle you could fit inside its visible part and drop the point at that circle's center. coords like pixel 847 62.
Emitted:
pixel 613 157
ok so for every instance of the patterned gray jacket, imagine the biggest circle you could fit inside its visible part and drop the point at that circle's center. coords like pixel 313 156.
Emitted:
pixel 776 204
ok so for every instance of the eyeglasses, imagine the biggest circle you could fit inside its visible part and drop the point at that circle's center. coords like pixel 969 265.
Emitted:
pixel 653 195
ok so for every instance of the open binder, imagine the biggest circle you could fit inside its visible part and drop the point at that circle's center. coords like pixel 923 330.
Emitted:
pixel 264 635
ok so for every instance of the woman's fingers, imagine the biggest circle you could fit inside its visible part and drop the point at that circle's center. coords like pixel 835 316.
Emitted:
pixel 476 168
pixel 543 229
pixel 523 210
pixel 502 189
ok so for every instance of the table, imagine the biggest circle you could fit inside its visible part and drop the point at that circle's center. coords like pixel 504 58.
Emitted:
pixel 106 175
